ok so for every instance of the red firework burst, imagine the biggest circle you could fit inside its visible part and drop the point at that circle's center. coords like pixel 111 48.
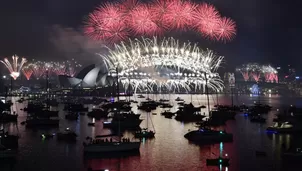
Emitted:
pixel 178 14
pixel 116 32
pixel 115 22
pixel 128 5
pixel 27 71
pixel 142 21
pixel 226 29
pixel 158 9
pixel 106 23
pixel 207 20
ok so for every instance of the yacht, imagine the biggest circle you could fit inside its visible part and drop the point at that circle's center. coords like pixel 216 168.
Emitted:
pixel 178 99
pixel 144 133
pixel 125 124
pixel 140 96
pixel 208 136
pixel 67 135
pixel 297 153
pixel 101 146
pixel 98 145
pixel 6 153
pixel 36 122
pixel 258 118
pixel 284 127
pixel 6 116
pixel 9 141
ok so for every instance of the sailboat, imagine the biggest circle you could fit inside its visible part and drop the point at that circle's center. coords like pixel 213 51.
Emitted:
pixel 206 135
pixel 101 146
pixel 145 133
pixel 42 118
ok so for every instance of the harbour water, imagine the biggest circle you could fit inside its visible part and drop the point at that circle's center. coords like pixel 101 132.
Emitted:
pixel 169 150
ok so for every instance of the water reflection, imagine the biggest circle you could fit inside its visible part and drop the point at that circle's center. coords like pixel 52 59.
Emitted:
pixel 168 151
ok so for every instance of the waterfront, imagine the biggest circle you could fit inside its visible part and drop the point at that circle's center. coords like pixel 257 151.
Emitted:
pixel 168 151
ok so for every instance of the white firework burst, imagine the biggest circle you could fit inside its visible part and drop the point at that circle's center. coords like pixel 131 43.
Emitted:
pixel 15 67
pixel 146 63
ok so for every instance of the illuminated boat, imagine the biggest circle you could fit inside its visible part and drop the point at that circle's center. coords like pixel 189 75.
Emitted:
pixel 208 136
pixel 285 127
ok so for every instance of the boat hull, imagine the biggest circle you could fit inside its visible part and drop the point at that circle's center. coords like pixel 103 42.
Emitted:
pixel 283 130
pixel 8 154
pixel 201 138
pixel 123 124
pixel 42 122
pixel 113 147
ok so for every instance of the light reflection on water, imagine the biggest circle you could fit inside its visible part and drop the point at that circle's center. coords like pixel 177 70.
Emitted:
pixel 168 151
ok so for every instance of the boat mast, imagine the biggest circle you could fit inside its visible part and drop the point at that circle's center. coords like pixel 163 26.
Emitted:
pixel 217 97
pixel 207 91
pixel 47 90
pixel 118 100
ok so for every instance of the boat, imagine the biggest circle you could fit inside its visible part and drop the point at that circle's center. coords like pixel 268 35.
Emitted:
pixel 90 169
pixel 47 136
pixel 67 135
pixel 6 116
pixel 178 99
pixel 101 146
pixel 165 105
pixel 6 153
pixel 9 141
pixel 168 114
pixel 40 122
pixel 293 155
pixel 145 133
pixel 208 136
pixel 98 146
pixel 97 113
pixel 91 124
pixel 285 127
pixel 218 161
pixel 72 116
pixel 140 96
pixel 258 119
pixel 125 124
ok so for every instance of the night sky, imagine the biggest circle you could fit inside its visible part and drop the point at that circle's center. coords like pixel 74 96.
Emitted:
pixel 269 31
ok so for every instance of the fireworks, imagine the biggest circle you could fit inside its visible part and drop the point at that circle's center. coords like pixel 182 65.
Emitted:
pixel 59 68
pixel 71 67
pixel 15 67
pixel 38 69
pixel 164 63
pixel 179 14
pixel 142 21
pixel 207 20
pixel 27 71
pixel 68 68
pixel 116 22
pixel 257 72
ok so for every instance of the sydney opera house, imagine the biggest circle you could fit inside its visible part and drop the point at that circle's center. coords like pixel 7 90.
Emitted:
pixel 89 77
